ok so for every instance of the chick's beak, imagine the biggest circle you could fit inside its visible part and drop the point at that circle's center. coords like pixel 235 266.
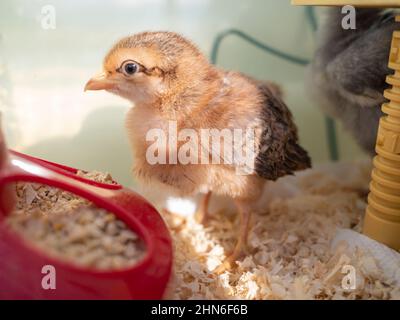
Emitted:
pixel 100 82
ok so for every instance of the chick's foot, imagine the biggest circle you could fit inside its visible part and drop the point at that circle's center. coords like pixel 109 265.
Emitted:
pixel 241 246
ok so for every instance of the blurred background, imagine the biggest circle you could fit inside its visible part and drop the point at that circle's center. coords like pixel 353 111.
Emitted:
pixel 43 70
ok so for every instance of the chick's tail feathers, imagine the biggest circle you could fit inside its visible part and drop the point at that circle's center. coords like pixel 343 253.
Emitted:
pixel 297 158
pixel 280 153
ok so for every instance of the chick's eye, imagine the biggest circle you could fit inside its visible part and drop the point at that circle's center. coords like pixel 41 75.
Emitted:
pixel 129 68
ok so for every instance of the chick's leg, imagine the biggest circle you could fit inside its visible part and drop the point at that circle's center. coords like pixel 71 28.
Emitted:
pixel 245 215
pixel 240 247
pixel 201 215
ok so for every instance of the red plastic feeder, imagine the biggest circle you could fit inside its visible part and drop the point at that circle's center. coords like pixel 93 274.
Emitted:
pixel 21 264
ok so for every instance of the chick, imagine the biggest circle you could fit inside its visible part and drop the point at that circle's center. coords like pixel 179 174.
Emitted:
pixel 168 78
pixel 347 75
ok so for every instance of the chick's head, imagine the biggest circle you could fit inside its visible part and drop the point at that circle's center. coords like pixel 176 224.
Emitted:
pixel 150 65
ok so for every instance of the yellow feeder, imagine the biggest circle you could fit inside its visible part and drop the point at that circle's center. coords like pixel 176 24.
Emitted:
pixel 382 219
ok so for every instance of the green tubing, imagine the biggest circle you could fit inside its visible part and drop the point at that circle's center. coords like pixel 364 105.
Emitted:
pixel 332 138
pixel 220 37
pixel 312 19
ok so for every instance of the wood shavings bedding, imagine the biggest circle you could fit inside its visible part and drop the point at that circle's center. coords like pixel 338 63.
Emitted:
pixel 289 254
pixel 72 228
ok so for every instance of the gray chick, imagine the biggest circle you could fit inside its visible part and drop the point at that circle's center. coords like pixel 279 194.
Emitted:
pixel 347 75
